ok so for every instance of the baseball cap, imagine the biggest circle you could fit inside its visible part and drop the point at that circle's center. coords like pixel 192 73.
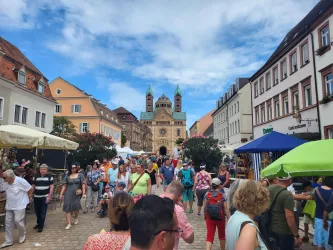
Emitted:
pixel 115 161
pixel 122 184
pixel 184 163
pixel 216 181
pixel 202 166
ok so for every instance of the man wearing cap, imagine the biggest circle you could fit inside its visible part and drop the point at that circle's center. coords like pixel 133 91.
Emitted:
pixel 42 186
pixel 112 175
pixel 283 223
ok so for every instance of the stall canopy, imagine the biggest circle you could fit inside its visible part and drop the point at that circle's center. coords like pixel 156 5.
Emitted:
pixel 272 142
pixel 23 137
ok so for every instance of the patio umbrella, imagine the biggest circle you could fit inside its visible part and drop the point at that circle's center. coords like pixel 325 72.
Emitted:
pixel 309 159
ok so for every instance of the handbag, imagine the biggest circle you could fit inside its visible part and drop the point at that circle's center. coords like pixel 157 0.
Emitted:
pixel 94 187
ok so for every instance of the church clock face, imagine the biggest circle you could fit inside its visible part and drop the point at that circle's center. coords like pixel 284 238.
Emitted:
pixel 163 131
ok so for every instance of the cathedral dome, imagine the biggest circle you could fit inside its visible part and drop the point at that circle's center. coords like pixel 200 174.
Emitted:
pixel 163 101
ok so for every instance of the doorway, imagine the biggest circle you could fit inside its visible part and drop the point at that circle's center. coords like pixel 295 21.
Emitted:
pixel 163 150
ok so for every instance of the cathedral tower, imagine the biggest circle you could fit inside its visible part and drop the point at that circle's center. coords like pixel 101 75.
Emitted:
pixel 149 100
pixel 178 100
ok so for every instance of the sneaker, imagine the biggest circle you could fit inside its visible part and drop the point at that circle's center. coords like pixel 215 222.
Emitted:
pixel 190 211
pixel 76 221
pixel 22 239
pixel 36 227
pixel 5 244
pixel 99 212
pixel 68 226
pixel 40 230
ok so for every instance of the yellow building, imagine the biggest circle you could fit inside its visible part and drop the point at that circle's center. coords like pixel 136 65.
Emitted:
pixel 86 113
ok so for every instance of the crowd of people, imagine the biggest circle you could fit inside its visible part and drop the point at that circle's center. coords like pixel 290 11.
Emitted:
pixel 247 214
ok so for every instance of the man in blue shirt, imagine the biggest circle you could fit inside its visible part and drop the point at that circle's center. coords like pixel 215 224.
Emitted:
pixel 167 171
pixel 112 175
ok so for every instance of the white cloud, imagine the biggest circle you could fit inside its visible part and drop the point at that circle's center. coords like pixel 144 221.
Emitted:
pixel 199 45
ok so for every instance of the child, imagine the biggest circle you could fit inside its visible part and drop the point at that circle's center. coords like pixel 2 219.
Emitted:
pixel 104 202
pixel 121 187
pixel 309 210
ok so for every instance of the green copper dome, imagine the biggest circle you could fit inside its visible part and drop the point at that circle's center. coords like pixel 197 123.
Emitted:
pixel 150 91
pixel 177 91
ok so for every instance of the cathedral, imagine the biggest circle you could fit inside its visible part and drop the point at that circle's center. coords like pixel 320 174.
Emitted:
pixel 166 121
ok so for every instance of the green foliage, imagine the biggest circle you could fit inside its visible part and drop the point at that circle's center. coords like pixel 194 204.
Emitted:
pixel 94 146
pixel 179 141
pixel 203 149
pixel 123 139
pixel 63 128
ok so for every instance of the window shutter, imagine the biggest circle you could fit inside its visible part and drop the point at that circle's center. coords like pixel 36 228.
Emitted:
pixel 81 127
pixel 79 108
pixel 60 108
pixel 73 108
pixel 88 127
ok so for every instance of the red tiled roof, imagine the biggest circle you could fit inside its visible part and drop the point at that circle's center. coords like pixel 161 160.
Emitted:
pixel 121 110
pixel 15 54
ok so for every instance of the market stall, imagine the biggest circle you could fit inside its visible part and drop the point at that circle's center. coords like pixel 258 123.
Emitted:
pixel 259 153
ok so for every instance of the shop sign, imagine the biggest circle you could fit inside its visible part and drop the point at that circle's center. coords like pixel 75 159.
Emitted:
pixel 297 126
pixel 267 130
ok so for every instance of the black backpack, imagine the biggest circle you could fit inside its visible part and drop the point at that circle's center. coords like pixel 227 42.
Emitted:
pixel 266 219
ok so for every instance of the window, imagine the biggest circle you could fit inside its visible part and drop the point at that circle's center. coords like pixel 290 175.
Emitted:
pixel 269 112
pixel 268 81
pixel 238 127
pixel 285 105
pixel 237 106
pixel 257 116
pixel 293 60
pixel 17 114
pixel 256 90
pixel 58 91
pixel 276 75
pixel 76 108
pixel 37 119
pixel 277 109
pixel 305 53
pixel 295 99
pixel 2 104
pixel 43 120
pixel 21 77
pixel 330 133
pixel 262 87
pixel 58 108
pixel 84 127
pixel 24 115
pixel 307 96
pixel 178 132
pixel 262 114
pixel 329 84
pixel 325 39
pixel 41 87
pixel 284 69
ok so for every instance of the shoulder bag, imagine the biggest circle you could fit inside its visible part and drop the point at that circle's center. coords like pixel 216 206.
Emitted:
pixel 94 187
pixel 137 180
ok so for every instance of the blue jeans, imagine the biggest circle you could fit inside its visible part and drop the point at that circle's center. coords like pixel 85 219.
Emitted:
pixel 101 184
pixel 40 210
pixel 284 241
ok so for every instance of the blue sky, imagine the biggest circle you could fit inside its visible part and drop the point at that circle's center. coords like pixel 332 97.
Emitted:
pixel 115 49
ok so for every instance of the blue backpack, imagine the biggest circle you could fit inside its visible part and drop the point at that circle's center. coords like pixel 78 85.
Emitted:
pixel 187 180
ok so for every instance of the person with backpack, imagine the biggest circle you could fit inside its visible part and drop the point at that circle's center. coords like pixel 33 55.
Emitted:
pixel 186 177
pixel 251 199
pixel 216 211
pixel 202 183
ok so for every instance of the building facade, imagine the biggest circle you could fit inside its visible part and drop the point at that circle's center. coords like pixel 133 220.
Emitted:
pixel 323 44
pixel 166 121
pixel 285 90
pixel 200 126
pixel 233 118
pixel 86 113
pixel 138 134
pixel 25 96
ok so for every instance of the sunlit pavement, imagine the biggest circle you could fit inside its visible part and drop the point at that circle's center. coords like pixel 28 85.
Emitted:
pixel 55 236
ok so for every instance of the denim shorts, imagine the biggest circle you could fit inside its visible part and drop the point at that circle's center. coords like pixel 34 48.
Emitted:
pixel 320 234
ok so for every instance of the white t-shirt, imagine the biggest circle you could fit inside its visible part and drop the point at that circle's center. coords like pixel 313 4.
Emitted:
pixel 124 179
pixel 291 189
pixel 176 173
pixel 17 194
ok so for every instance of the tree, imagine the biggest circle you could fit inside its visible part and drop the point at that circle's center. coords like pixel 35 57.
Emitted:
pixel 123 139
pixel 94 146
pixel 203 150
pixel 179 141
pixel 63 128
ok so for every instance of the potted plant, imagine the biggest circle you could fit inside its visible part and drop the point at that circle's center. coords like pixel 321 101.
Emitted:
pixel 326 99
pixel 322 50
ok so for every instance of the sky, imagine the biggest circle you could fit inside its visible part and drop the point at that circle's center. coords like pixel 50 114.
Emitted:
pixel 114 49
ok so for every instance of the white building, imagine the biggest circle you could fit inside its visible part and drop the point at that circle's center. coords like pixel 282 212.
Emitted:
pixel 284 90
pixel 25 97
pixel 322 33
pixel 232 118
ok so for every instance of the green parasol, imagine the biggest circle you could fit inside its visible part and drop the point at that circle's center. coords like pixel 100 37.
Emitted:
pixel 309 159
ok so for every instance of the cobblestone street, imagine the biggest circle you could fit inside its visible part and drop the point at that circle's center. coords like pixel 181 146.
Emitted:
pixel 55 236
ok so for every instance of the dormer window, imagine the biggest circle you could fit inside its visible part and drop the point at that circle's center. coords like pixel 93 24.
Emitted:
pixel 21 76
pixel 41 87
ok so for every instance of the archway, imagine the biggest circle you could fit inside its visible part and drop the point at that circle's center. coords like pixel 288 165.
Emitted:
pixel 163 150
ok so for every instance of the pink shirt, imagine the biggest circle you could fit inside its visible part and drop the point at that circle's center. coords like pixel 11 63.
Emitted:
pixel 183 222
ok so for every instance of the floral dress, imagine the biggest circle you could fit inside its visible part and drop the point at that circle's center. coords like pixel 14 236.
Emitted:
pixel 106 241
